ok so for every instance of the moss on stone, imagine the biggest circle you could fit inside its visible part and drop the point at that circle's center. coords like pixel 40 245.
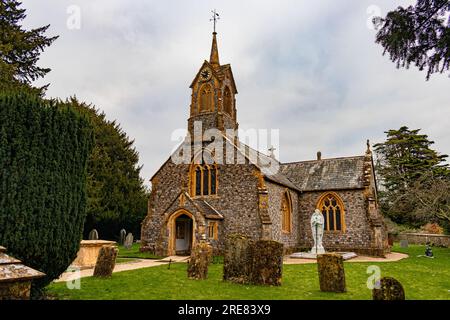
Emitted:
pixel 331 272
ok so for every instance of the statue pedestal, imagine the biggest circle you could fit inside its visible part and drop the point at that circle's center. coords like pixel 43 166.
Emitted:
pixel 303 255
pixel 309 255
pixel 318 250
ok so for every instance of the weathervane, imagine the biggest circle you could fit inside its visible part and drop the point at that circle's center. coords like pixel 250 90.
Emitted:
pixel 214 18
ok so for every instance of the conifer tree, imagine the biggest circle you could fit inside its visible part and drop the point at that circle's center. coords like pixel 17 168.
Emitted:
pixel 117 198
pixel 403 159
pixel 418 35
pixel 44 149
pixel 20 49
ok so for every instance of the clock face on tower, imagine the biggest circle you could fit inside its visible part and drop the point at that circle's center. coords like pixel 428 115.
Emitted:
pixel 205 74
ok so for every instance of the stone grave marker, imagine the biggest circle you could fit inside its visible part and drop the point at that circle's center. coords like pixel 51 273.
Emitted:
pixel 331 272
pixel 201 257
pixel 237 260
pixel 129 241
pixel 403 243
pixel 123 234
pixel 267 263
pixel 15 278
pixel 106 261
pixel 93 235
pixel 389 289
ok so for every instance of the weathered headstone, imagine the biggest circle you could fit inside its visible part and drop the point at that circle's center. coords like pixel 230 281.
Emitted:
pixel 237 260
pixel 128 241
pixel 403 243
pixel 201 257
pixel 123 234
pixel 267 266
pixel 106 261
pixel 93 235
pixel 331 272
pixel 389 289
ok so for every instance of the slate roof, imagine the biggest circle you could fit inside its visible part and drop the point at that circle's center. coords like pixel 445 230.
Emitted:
pixel 270 167
pixel 326 174
pixel 207 209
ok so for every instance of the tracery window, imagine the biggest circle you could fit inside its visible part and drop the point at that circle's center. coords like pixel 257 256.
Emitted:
pixel 333 210
pixel 286 212
pixel 204 180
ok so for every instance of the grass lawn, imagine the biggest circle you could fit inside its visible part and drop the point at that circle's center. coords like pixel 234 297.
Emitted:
pixel 134 252
pixel 422 278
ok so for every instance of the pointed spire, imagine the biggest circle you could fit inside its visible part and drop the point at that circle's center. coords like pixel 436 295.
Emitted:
pixel 214 58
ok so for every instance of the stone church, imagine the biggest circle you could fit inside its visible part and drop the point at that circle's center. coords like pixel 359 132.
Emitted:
pixel 203 198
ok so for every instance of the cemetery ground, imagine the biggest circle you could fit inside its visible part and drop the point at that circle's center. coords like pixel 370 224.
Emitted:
pixel 134 253
pixel 422 278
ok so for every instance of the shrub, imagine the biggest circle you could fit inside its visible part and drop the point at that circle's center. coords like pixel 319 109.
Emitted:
pixel 44 148
pixel 432 228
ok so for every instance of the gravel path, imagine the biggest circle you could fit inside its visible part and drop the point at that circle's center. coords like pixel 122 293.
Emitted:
pixel 133 265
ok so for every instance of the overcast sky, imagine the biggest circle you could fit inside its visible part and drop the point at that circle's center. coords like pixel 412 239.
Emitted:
pixel 308 68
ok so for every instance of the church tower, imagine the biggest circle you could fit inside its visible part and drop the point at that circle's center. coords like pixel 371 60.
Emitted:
pixel 213 100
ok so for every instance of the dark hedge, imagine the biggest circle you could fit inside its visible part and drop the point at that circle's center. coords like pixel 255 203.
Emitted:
pixel 44 148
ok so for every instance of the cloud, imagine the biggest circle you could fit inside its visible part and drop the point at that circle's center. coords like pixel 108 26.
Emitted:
pixel 311 70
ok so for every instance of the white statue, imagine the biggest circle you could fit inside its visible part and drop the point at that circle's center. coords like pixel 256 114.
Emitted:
pixel 317 226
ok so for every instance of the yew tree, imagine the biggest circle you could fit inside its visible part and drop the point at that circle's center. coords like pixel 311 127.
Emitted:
pixel 417 35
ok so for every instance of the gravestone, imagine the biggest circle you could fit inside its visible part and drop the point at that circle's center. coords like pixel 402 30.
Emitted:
pixel 403 243
pixel 106 261
pixel 389 289
pixel 129 241
pixel 201 257
pixel 93 235
pixel 237 260
pixel 123 234
pixel 331 272
pixel 267 265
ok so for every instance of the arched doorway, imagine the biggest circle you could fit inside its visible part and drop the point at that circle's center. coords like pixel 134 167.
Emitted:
pixel 183 235
pixel 181 229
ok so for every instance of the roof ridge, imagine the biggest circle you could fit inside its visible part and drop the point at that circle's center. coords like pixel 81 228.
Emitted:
pixel 327 159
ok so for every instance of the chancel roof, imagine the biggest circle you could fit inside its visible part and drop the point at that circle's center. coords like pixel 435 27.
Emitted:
pixel 326 174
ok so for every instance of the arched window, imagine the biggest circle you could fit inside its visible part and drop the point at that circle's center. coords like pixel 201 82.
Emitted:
pixel 286 212
pixel 204 180
pixel 333 210
pixel 198 181
pixel 206 98
pixel 227 101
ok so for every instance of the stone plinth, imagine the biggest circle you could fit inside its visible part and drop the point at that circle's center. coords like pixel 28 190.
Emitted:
pixel 331 272
pixel 88 253
pixel 15 278
pixel 389 289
